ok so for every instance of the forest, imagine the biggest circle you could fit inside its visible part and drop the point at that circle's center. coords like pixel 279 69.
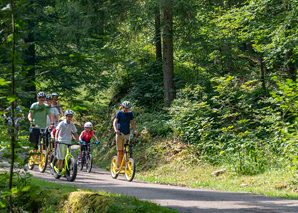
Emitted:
pixel 217 78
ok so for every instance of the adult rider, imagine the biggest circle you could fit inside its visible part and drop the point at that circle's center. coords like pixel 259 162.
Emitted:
pixel 38 118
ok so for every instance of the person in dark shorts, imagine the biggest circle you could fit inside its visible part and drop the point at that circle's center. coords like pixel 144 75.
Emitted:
pixel 38 118
pixel 121 124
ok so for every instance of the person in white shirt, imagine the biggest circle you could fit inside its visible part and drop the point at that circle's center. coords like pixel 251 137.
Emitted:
pixel 63 134
pixel 54 111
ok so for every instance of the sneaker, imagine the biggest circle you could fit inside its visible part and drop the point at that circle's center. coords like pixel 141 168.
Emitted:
pixel 59 173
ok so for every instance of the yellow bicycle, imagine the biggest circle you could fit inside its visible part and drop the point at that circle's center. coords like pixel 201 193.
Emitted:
pixel 39 158
pixel 127 166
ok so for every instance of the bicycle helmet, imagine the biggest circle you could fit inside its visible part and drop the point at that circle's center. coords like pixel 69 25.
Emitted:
pixel 88 124
pixel 41 95
pixel 54 94
pixel 69 112
pixel 126 104
pixel 49 97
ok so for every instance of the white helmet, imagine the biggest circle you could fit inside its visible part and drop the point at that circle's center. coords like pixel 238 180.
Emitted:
pixel 41 95
pixel 54 94
pixel 69 112
pixel 88 124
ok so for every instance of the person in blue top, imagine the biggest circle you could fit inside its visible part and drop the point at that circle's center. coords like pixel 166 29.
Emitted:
pixel 18 111
pixel 121 124
pixel 18 115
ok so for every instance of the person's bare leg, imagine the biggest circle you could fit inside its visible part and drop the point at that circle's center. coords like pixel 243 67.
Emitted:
pixel 60 163
pixel 120 156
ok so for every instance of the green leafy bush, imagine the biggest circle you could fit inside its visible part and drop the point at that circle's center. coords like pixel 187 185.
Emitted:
pixel 232 124
pixel 156 123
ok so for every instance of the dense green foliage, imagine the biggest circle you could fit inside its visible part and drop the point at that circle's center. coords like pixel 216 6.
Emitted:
pixel 235 68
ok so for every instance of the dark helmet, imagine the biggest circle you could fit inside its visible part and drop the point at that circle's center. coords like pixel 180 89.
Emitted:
pixel 49 97
pixel 41 95
pixel 126 104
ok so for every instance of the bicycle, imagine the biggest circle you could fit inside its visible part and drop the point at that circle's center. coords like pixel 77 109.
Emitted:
pixel 49 145
pixel 86 157
pixel 42 153
pixel 130 167
pixel 69 165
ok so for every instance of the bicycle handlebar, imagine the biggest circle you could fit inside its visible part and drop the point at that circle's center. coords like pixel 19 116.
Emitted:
pixel 59 142
pixel 85 143
pixel 130 136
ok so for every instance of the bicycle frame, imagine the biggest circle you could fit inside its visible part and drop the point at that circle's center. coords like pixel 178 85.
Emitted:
pixel 127 151
pixel 86 147
pixel 68 155
pixel 85 152
pixel 36 154
pixel 127 160
pixel 42 135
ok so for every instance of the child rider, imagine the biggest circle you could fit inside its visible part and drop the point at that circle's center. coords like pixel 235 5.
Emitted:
pixel 63 134
pixel 86 136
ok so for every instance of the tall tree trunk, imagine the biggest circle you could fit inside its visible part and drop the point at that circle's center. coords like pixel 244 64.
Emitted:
pixel 292 73
pixel 29 61
pixel 168 71
pixel 12 105
pixel 157 35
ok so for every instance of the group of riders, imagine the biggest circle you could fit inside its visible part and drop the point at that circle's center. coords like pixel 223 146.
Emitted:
pixel 47 114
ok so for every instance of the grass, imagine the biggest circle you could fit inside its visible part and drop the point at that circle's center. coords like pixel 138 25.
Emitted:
pixel 275 182
pixel 42 196
pixel 158 161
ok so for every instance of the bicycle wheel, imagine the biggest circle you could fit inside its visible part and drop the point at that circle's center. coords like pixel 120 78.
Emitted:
pixel 130 169
pixel 31 160
pixel 49 153
pixel 52 156
pixel 81 161
pixel 55 164
pixel 71 172
pixel 43 161
pixel 113 169
pixel 89 163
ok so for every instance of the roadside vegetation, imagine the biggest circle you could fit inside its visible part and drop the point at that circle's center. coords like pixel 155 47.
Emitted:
pixel 35 195
pixel 227 126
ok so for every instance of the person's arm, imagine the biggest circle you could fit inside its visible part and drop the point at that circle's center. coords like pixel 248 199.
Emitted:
pixel 57 134
pixel 114 125
pixel 95 137
pixel 60 109
pixel 51 118
pixel 49 113
pixel 57 118
pixel 30 118
pixel 80 138
pixel 76 136
pixel 52 135
pixel 73 137
pixel 4 116
pixel 134 127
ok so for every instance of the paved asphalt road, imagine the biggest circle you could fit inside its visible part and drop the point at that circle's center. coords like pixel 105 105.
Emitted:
pixel 181 199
